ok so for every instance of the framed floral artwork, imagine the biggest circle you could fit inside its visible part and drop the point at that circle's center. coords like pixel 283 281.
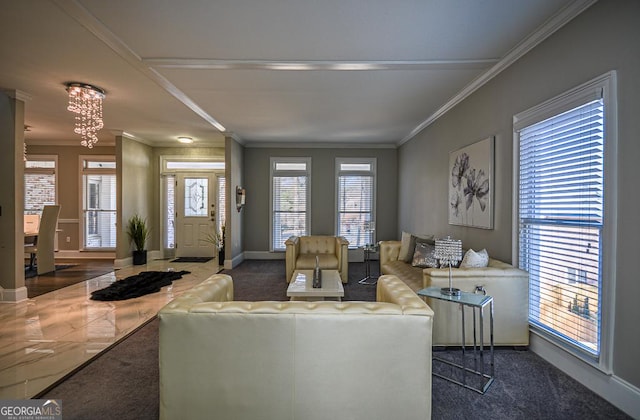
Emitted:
pixel 471 185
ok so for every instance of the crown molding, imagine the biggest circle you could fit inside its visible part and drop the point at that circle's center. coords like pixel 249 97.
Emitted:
pixel 547 29
pixel 78 12
pixel 16 94
pixel 317 145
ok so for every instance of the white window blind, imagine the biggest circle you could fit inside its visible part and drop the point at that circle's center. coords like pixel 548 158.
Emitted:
pixel 355 215
pixel 561 204
pixel 222 200
pixel 290 200
pixel 99 203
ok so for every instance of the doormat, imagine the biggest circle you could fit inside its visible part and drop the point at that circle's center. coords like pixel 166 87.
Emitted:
pixel 192 259
pixel 137 285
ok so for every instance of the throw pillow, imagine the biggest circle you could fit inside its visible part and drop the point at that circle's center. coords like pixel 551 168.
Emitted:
pixel 475 259
pixel 412 245
pixel 405 243
pixel 423 255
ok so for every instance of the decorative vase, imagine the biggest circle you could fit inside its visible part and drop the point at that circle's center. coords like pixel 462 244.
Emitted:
pixel 139 257
pixel 317 275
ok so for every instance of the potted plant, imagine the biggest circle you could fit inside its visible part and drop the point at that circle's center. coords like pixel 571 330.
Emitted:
pixel 138 233
pixel 217 239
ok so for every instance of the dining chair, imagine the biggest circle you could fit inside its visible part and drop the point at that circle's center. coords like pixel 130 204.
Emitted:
pixel 42 249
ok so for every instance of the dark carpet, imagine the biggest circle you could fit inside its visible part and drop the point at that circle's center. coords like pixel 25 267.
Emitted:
pixel 137 285
pixel 123 382
pixel 192 259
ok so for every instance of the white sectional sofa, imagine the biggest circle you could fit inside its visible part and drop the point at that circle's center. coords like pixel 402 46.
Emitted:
pixel 295 360
pixel 506 284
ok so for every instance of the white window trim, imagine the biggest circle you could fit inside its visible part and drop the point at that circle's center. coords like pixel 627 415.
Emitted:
pixel 164 160
pixel 606 85
pixel 272 171
pixel 85 171
pixel 54 171
pixel 373 172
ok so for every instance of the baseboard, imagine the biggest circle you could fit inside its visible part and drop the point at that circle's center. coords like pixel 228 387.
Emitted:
pixel 74 254
pixel 229 264
pixel 617 391
pixel 13 295
pixel 263 255
pixel 126 262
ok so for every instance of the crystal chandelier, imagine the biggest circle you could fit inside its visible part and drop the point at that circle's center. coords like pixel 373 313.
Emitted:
pixel 86 102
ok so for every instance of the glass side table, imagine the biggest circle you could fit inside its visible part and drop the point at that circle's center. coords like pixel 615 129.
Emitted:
pixel 368 250
pixel 473 375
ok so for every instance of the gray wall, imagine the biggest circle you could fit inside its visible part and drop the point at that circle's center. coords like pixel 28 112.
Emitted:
pixel 234 153
pixel 257 181
pixel 135 177
pixel 605 37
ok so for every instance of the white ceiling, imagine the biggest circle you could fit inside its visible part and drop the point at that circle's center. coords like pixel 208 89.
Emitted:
pixel 267 72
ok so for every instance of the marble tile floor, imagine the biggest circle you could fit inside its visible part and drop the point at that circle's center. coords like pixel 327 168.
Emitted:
pixel 45 338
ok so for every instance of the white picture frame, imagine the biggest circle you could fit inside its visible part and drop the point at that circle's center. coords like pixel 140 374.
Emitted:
pixel 470 181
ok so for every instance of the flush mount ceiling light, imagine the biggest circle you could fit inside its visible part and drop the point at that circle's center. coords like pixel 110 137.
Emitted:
pixel 185 140
pixel 86 102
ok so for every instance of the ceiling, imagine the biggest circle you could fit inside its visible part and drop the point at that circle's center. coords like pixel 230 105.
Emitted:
pixel 265 72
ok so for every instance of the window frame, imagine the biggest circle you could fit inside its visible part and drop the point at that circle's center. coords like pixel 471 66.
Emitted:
pixel 46 171
pixel 273 161
pixel 84 170
pixel 373 171
pixel 605 87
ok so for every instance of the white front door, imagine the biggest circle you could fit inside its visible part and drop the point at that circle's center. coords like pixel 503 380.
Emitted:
pixel 195 214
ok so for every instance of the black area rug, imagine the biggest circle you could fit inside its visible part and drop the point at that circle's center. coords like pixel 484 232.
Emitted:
pixel 192 259
pixel 138 285
pixel 33 272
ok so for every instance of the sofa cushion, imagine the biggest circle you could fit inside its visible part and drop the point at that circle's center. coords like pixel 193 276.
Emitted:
pixel 423 256
pixel 412 276
pixel 308 261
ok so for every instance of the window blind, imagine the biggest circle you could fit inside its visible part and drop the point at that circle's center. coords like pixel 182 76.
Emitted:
pixel 99 207
pixel 355 209
pixel 561 179
pixel 290 195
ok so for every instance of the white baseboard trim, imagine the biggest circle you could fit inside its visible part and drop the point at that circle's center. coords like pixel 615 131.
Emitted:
pixel 13 295
pixel 263 255
pixel 229 264
pixel 617 391
pixel 76 254
pixel 126 262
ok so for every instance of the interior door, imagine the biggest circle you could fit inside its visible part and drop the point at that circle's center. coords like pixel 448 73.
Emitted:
pixel 195 214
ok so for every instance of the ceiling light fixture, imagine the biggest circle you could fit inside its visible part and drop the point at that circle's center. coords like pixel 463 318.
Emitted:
pixel 185 140
pixel 86 102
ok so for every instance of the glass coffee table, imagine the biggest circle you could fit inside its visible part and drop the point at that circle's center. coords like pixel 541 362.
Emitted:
pixel 473 375
pixel 301 286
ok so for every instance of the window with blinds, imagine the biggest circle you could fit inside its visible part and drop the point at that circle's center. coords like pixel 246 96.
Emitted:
pixel 290 195
pixel 355 183
pixel 222 200
pixel 561 208
pixel 99 203
pixel 39 183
